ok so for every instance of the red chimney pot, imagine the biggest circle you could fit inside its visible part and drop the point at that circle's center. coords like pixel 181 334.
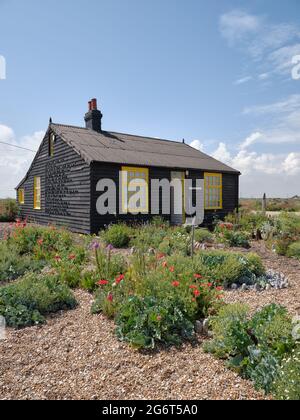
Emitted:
pixel 94 104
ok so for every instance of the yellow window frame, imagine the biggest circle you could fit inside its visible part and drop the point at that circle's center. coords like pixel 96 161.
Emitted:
pixel 21 196
pixel 136 183
pixel 51 144
pixel 37 193
pixel 217 187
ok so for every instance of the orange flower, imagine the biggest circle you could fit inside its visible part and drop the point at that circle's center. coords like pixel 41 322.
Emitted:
pixel 165 264
pixel 72 257
pixel 172 269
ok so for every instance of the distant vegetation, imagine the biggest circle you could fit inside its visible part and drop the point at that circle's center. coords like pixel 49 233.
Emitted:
pixel 8 210
pixel 273 204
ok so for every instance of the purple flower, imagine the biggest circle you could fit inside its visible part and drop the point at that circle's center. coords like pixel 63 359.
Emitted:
pixel 95 245
pixel 109 247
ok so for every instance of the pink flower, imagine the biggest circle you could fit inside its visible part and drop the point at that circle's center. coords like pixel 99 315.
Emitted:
pixel 159 318
pixel 57 258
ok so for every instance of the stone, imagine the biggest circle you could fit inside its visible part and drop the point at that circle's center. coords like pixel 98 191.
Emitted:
pixel 257 287
pixel 206 327
pixel 199 327
pixel 133 250
pixel 151 251
pixel 268 287
pixel 234 286
pixel 244 287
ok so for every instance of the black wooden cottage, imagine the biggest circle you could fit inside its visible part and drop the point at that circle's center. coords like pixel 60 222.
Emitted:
pixel 60 185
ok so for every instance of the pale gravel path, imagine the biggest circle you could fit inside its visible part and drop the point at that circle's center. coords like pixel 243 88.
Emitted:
pixel 76 356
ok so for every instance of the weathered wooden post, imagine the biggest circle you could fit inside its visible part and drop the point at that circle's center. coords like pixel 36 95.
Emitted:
pixel 264 204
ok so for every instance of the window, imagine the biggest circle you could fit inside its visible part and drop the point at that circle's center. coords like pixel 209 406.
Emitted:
pixel 21 196
pixel 37 193
pixel 213 190
pixel 51 144
pixel 136 179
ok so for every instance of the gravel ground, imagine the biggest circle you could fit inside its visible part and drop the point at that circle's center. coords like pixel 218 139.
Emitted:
pixel 76 356
pixel 289 298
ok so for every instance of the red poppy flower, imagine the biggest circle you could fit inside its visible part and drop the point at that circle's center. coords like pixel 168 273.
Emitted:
pixel 172 269
pixel 209 284
pixel 197 276
pixel 197 293
pixel 160 256
pixel 175 284
pixel 194 287
pixel 72 257
pixel 40 241
pixel 159 318
pixel 110 297
pixel 219 288
pixel 165 264
pixel 57 258
pixel 102 282
pixel 120 278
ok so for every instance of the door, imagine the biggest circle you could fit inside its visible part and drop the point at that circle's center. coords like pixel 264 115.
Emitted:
pixel 177 198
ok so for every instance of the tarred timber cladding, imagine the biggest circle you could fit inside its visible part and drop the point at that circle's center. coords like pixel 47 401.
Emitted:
pixel 77 215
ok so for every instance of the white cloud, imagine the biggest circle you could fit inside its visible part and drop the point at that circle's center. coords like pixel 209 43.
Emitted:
pixel 275 174
pixel 250 140
pixel 237 24
pixel 287 105
pixel 222 154
pixel 15 162
pixel 291 165
pixel 269 45
pixel 196 144
pixel 243 80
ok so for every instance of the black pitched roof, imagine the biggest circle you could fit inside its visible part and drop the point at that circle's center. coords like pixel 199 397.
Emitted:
pixel 129 149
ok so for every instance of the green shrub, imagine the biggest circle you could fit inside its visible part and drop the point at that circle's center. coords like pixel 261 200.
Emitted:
pixel 10 210
pixel 109 265
pixel 227 268
pixel 145 322
pixel 287 384
pixel 42 241
pixel 117 235
pixel 89 281
pixel 294 250
pixel 203 235
pixel 254 347
pixel 13 266
pixel 229 327
pixel 27 302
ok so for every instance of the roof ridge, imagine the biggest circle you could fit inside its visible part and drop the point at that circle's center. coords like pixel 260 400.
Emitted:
pixel 146 137
pixel 120 133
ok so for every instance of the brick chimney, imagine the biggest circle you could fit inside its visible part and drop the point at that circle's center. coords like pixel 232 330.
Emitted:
pixel 93 117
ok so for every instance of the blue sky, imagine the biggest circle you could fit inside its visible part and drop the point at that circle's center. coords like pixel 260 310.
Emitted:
pixel 217 73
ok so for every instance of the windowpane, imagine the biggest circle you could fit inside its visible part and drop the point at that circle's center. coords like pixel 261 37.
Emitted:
pixel 136 180
pixel 213 191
